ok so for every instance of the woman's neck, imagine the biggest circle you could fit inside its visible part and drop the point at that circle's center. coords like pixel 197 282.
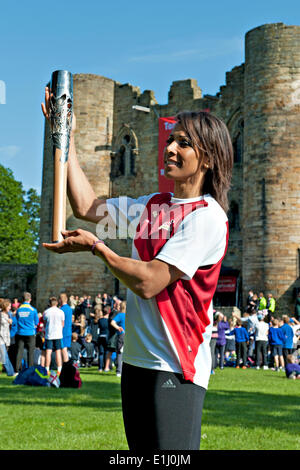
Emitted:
pixel 187 190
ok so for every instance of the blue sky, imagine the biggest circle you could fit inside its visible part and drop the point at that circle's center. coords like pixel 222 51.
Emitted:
pixel 148 44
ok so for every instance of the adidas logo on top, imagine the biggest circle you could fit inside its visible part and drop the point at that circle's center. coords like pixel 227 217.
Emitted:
pixel 168 384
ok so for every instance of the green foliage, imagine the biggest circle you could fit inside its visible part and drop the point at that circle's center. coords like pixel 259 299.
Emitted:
pixel 31 209
pixel 19 220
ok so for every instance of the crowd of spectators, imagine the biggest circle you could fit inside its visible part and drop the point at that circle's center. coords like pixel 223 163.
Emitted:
pixel 87 331
pixel 91 332
pixel 258 338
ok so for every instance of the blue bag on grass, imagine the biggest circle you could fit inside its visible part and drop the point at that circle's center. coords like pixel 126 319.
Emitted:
pixel 36 375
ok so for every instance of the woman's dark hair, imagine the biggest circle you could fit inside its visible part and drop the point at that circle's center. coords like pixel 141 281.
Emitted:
pixel 210 135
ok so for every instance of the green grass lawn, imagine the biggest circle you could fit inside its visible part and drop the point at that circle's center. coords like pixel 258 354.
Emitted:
pixel 244 409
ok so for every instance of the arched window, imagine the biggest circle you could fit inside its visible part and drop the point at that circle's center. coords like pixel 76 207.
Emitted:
pixel 234 216
pixel 238 143
pixel 123 159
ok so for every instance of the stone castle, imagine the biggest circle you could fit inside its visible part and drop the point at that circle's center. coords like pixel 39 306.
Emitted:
pixel 117 148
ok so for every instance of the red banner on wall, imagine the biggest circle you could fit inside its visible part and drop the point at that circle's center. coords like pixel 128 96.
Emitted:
pixel 165 126
pixel 226 284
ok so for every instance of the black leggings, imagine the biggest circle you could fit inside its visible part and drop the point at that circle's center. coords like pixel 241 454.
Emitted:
pixel 161 411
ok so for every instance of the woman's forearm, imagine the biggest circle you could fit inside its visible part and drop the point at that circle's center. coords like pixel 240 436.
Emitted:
pixel 81 195
pixel 145 278
pixel 134 274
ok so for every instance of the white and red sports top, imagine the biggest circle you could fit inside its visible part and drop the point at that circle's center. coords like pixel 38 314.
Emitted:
pixel 172 331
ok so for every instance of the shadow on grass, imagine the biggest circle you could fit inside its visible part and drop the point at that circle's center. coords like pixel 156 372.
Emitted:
pixel 105 394
pixel 253 410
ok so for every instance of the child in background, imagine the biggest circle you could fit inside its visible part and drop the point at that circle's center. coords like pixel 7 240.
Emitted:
pixel 97 312
pixel 213 342
pixel 75 325
pixel 230 342
pixel 276 340
pixel 75 348
pixel 292 368
pixel 222 326
pixel 287 347
pixel 94 329
pixel 103 337
pixel 88 351
pixel 82 326
pixel 40 332
pixel 119 323
pixel 241 341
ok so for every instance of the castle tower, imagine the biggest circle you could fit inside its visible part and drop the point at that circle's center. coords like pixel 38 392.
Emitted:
pixel 77 273
pixel 271 168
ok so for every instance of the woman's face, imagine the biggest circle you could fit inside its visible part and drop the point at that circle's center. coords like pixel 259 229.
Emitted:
pixel 181 160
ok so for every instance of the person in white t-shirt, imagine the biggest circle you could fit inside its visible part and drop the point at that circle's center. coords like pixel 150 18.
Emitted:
pixel 261 342
pixel 179 243
pixel 54 319
pixel 295 324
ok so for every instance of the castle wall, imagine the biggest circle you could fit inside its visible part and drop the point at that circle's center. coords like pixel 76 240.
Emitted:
pixel 15 279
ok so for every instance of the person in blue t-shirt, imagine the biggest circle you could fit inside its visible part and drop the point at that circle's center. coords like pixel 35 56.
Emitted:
pixel 67 329
pixel 119 324
pixel 287 347
pixel 241 341
pixel 276 340
pixel 27 318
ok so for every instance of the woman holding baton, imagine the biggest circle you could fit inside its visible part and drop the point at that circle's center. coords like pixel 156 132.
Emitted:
pixel 178 247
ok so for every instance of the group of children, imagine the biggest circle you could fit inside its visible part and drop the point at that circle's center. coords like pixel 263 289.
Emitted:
pixel 82 353
pixel 85 331
pixel 98 338
pixel 256 339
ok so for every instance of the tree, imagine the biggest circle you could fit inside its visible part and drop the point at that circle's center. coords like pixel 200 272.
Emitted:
pixel 31 209
pixel 18 221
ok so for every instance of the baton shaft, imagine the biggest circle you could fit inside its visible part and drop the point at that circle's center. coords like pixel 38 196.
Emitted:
pixel 59 196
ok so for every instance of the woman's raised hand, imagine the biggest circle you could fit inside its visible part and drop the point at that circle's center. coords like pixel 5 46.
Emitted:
pixel 46 105
pixel 46 108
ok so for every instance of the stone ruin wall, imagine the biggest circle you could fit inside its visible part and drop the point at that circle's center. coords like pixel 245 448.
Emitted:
pixel 15 279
